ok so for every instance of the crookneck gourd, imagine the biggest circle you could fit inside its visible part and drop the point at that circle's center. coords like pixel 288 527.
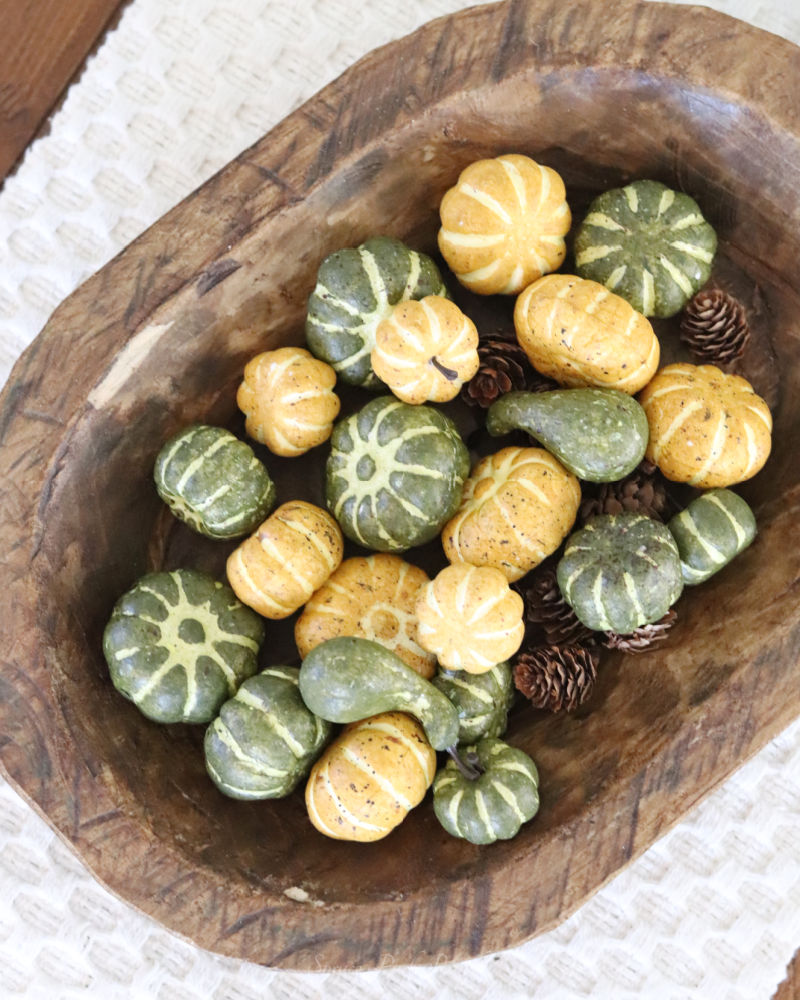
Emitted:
pixel 710 532
pixel 482 700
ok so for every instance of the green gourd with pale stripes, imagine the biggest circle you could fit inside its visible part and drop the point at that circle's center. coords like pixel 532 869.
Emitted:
pixel 265 739
pixel 711 531
pixel 178 644
pixel 648 244
pixel 481 700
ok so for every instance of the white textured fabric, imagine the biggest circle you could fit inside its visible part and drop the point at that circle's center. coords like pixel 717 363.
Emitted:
pixel 711 911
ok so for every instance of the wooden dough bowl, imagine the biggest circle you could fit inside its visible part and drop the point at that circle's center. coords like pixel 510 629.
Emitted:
pixel 604 92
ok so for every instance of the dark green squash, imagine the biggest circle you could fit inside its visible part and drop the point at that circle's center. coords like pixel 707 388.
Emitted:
pixel 481 700
pixel 711 531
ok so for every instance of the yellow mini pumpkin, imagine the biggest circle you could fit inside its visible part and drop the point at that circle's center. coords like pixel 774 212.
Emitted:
pixel 470 618
pixel 425 350
pixel 288 400
pixel 517 507
pixel 503 224
pixel 579 333
pixel 370 778
pixel 291 555
pixel 707 428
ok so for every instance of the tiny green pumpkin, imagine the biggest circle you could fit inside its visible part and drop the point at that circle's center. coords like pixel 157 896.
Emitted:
pixel 711 531
pixel 482 700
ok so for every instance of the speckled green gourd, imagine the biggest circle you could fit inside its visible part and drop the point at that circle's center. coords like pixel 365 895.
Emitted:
pixel 481 700
pixel 214 482
pixel 347 679
pixel 356 289
pixel 600 435
pixel 710 532
pixel 648 244
pixel 395 474
pixel 178 644
pixel 494 805
pixel 620 571
pixel 265 739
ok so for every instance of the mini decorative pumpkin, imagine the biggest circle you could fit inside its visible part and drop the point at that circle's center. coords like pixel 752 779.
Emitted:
pixel 517 507
pixel 264 740
pixel 647 243
pixel 292 554
pixel 370 778
pixel 580 334
pixel 395 474
pixel 425 350
pixel 356 288
pixel 503 224
pixel 620 571
pixel 372 598
pixel 178 644
pixel 482 700
pixel 711 531
pixel 288 399
pixel 707 428
pixel 470 618
pixel 213 481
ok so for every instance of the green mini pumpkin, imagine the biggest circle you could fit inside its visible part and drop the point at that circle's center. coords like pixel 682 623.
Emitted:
pixel 395 474
pixel 178 644
pixel 711 531
pixel 356 289
pixel 482 700
pixel 265 739
pixel 648 244
pixel 214 482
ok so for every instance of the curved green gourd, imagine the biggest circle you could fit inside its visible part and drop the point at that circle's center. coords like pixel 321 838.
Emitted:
pixel 214 482
pixel 481 700
pixel 178 644
pixel 348 679
pixel 648 244
pixel 620 571
pixel 356 288
pixel 600 435
pixel 395 474
pixel 265 739
pixel 711 531
pixel 494 805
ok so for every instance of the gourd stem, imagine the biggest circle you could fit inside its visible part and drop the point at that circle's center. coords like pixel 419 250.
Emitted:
pixel 469 765
pixel 448 373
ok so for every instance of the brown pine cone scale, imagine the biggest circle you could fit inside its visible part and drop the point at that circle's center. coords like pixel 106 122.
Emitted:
pixel 644 637
pixel 714 327
pixel 556 678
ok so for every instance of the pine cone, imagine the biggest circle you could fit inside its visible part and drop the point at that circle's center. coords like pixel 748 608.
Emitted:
pixel 544 606
pixel 642 492
pixel 504 367
pixel 558 678
pixel 714 327
pixel 643 637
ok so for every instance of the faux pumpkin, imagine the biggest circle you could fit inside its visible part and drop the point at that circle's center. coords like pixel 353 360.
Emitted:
pixel 264 740
pixel 213 481
pixel 291 555
pixel 503 224
pixel 710 532
pixel 482 700
pixel 178 644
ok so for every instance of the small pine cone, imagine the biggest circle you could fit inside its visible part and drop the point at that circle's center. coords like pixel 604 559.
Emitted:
pixel 642 492
pixel 504 367
pixel 714 327
pixel 545 607
pixel 557 678
pixel 643 637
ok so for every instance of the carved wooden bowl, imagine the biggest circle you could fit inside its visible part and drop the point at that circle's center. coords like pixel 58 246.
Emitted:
pixel 604 92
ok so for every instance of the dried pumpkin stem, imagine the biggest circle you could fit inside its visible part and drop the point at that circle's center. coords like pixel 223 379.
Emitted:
pixel 450 374
pixel 469 765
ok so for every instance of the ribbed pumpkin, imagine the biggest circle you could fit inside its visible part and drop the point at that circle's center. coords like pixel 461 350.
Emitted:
pixel 371 597
pixel 470 618
pixel 288 400
pixel 213 481
pixel 707 428
pixel 517 507
pixel 425 351
pixel 178 644
pixel 370 778
pixel 482 700
pixel 503 224
pixel 291 555
pixel 710 532
pixel 580 334
pixel 264 740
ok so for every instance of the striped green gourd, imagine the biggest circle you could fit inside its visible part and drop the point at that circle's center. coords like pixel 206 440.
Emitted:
pixel 620 571
pixel 395 474
pixel 356 289
pixel 264 740
pixel 648 244
pixel 492 805
pixel 178 644
pixel 482 700
pixel 711 531
pixel 214 482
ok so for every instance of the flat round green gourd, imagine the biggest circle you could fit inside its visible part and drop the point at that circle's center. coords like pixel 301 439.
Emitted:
pixel 178 644
pixel 648 244
pixel 494 804
pixel 620 571
pixel 356 289
pixel 600 435
pixel 265 739
pixel 482 700
pixel 214 482
pixel 710 532
pixel 395 474
pixel 347 679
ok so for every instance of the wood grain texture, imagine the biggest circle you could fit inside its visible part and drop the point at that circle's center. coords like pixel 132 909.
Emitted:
pixel 789 989
pixel 603 92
